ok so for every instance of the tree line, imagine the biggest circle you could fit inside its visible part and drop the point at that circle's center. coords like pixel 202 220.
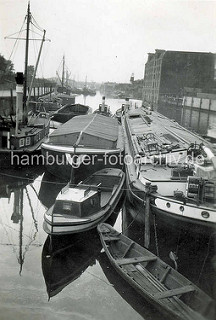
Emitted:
pixel 7 76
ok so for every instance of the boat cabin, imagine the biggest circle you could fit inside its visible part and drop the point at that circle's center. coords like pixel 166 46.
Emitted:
pixel 27 136
pixel 79 202
pixel 90 196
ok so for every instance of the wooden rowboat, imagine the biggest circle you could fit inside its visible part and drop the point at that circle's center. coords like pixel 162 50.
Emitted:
pixel 169 291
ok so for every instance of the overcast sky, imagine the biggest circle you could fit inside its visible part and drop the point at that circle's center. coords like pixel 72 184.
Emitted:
pixel 107 40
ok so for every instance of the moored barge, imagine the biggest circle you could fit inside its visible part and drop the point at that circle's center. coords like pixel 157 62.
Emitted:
pixel 171 172
pixel 82 146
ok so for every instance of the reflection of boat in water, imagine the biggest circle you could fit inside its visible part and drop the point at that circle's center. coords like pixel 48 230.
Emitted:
pixel 66 257
pixel 19 225
pixel 164 171
pixel 70 257
pixel 84 144
pixel 81 207
pixel 23 135
pixel 49 189
pixel 12 179
pixel 168 290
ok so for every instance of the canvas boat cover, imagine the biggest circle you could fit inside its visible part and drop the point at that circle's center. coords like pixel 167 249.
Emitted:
pixel 91 130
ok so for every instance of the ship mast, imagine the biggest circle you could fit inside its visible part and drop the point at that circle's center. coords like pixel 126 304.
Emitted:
pixel 25 111
pixel 63 71
pixel 35 70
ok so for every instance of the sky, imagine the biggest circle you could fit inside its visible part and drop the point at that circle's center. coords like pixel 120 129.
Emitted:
pixel 106 40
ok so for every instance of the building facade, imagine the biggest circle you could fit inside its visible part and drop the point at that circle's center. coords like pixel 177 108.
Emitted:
pixel 167 73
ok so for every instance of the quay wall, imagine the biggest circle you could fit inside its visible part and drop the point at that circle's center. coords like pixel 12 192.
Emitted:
pixel 8 99
pixel 194 113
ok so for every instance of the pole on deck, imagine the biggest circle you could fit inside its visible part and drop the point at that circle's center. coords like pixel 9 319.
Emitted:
pixel 147 217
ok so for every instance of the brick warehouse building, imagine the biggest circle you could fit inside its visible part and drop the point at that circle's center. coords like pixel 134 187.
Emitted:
pixel 167 73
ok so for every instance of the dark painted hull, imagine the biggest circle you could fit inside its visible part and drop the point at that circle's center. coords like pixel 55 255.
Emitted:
pixel 59 166
pixel 163 218
pixel 60 117
pixel 20 158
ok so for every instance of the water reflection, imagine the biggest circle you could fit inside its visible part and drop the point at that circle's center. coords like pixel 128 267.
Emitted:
pixel 94 101
pixel 199 120
pixel 18 222
pixel 66 257
pixel 49 189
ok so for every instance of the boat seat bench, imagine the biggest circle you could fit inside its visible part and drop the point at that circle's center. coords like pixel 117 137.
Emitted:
pixel 125 261
pixel 111 238
pixel 174 292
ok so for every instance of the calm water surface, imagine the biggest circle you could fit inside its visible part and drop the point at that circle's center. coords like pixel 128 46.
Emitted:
pixel 70 277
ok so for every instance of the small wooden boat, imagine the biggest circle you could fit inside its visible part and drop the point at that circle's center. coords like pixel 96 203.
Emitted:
pixel 159 283
pixel 82 207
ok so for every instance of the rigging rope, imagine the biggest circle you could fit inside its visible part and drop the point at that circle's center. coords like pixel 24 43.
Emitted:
pixel 36 24
pixel 206 256
pixel 156 237
pixel 17 39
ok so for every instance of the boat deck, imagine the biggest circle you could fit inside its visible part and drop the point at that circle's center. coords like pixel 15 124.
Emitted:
pixel 153 133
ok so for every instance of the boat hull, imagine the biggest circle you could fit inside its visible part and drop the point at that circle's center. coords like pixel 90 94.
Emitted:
pixel 24 149
pixel 60 163
pixel 170 218
pixel 60 224
pixel 83 145
pixel 71 227
pixel 169 212
pixel 22 158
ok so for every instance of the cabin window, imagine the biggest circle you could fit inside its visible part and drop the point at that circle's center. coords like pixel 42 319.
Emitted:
pixel 22 142
pixel 92 202
pixel 28 141
pixel 39 136
pixel 67 206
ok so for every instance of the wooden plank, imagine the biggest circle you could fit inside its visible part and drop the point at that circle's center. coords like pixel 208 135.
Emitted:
pixel 111 238
pixel 147 221
pixel 174 292
pixel 128 248
pixel 145 285
pixel 134 260
pixel 163 278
